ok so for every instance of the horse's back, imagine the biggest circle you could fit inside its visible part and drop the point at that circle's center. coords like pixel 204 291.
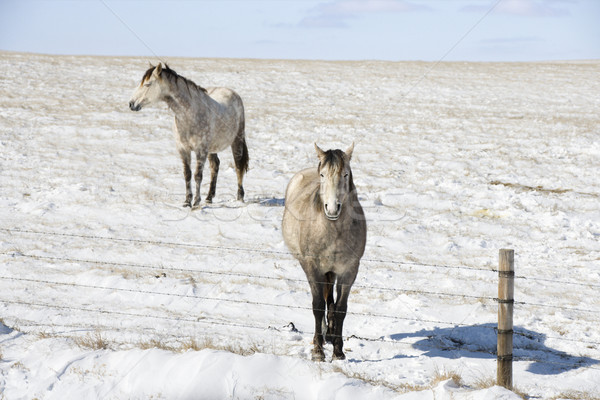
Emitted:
pixel 298 192
pixel 226 97
pixel 302 182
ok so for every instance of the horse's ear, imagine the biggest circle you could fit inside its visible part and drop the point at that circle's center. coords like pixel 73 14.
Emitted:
pixel 158 69
pixel 320 153
pixel 349 151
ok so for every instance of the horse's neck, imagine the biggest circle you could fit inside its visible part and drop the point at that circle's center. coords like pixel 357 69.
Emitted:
pixel 184 99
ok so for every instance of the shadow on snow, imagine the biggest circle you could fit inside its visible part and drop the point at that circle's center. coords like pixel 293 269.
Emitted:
pixel 479 341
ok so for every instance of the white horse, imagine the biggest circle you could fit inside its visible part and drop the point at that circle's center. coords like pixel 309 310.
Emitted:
pixel 325 229
pixel 207 121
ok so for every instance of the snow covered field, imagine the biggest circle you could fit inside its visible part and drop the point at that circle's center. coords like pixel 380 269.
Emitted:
pixel 110 290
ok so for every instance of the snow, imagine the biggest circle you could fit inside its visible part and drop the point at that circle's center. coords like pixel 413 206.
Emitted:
pixel 110 289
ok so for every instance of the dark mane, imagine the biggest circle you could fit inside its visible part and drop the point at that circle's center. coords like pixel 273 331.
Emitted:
pixel 335 158
pixel 171 75
pixel 147 74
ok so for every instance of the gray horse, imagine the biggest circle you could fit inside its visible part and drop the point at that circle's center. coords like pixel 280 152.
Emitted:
pixel 325 229
pixel 207 121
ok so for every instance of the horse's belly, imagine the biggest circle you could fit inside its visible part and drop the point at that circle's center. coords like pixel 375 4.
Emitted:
pixel 194 139
pixel 221 141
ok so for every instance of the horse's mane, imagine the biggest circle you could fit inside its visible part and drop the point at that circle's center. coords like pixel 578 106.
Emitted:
pixel 335 158
pixel 172 75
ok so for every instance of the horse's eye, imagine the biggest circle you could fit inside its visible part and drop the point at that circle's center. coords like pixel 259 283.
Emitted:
pixel 322 176
pixel 345 175
pixel 147 84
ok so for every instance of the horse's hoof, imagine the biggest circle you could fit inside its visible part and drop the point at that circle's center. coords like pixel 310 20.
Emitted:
pixel 196 203
pixel 208 200
pixel 338 356
pixel 318 356
pixel 187 204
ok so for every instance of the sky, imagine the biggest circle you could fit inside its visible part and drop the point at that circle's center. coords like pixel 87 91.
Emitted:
pixel 395 30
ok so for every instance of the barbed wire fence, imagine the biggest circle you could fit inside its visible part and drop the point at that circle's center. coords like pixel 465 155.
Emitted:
pixel 253 278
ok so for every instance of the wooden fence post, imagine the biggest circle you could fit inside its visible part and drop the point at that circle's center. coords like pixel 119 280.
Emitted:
pixel 506 275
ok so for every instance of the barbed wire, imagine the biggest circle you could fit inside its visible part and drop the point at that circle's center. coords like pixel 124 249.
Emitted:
pixel 298 280
pixel 238 274
pixel 145 241
pixel 242 275
pixel 537 279
pixel 215 247
pixel 544 336
pixel 285 253
pixel 290 327
pixel 567 308
pixel 220 299
pixel 128 314
pixel 370 287
pixel 256 303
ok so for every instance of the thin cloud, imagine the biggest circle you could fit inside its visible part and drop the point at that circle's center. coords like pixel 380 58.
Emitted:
pixel 525 8
pixel 336 14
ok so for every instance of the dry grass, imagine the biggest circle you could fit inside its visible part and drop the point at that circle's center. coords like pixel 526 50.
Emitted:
pixel 45 335
pixel 438 376
pixel 19 365
pixel 191 344
pixel 540 189
pixel 401 388
pixel 484 383
pixel 485 213
pixel 93 341
pixel 576 395
pixel 488 382
pixel 443 375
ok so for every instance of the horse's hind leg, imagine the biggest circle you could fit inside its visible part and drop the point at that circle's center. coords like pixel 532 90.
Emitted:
pixel 240 156
pixel 214 172
pixel 186 159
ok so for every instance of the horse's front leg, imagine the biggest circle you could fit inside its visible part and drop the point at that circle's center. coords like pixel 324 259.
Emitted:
pixel 318 305
pixel 343 286
pixel 200 160
pixel 186 158
pixel 328 294
pixel 214 162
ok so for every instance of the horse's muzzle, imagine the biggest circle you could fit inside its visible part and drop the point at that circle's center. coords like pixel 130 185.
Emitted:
pixel 335 215
pixel 134 107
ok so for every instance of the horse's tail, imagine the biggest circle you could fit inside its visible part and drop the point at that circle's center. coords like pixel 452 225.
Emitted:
pixel 241 156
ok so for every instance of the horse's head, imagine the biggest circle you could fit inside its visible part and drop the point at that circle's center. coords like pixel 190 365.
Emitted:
pixel 336 179
pixel 149 90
